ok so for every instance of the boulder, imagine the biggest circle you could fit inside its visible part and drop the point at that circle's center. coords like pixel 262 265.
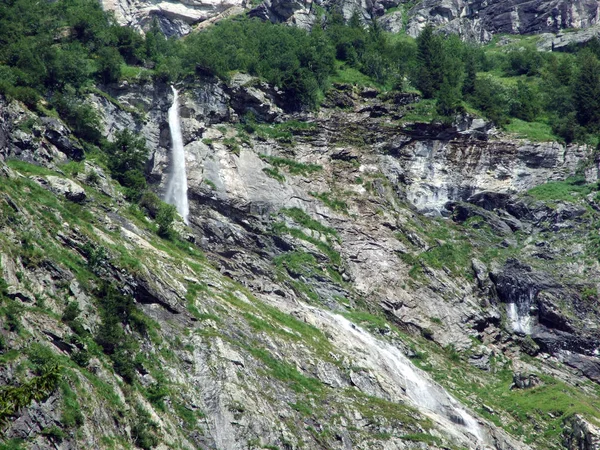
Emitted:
pixel 62 187
pixel 60 136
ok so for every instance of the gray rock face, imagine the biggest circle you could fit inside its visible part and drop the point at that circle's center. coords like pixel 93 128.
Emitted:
pixel 63 187
pixel 236 337
pixel 175 18
pixel 437 170
pixel 581 435
pixel 392 22
pixel 281 10
pixel 472 20
pixel 480 20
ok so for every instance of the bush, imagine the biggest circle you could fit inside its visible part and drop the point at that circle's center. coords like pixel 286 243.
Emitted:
pixel 127 158
pixel 81 358
pixel 164 219
pixel 144 430
pixel 81 117
pixel 150 203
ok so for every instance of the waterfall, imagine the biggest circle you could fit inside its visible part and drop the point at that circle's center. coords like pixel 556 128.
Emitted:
pixel 177 186
pixel 519 313
pixel 424 393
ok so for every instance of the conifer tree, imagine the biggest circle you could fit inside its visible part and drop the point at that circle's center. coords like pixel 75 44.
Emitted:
pixel 586 90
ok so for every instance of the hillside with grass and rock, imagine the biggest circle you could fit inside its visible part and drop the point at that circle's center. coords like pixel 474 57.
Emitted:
pixel 392 243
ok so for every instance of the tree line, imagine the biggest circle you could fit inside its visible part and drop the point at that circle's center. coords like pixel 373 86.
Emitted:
pixel 50 51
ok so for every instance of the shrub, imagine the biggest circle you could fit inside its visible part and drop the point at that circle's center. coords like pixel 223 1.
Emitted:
pixel 164 219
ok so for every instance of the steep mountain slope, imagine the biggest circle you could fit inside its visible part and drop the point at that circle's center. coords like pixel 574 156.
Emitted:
pixel 473 20
pixel 316 264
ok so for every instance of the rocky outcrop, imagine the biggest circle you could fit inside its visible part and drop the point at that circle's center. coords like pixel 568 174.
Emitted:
pixel 302 219
pixel 31 138
pixel 175 18
pixel 443 165
pixel 480 20
pixel 472 20
pixel 62 187
pixel 579 434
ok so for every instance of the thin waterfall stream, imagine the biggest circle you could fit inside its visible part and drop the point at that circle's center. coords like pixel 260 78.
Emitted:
pixel 177 187
pixel 421 390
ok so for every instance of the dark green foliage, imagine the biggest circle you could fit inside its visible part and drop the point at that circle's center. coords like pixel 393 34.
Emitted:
pixel 448 100
pixel 54 434
pixel 144 430
pixel 81 357
pixel 430 56
pixel 156 394
pixel 127 157
pixel 118 310
pixel 109 65
pixel 293 167
pixel 12 314
pixel 150 203
pixel 163 213
pixel 70 313
pixel 492 98
pixel 524 61
pixel 81 117
pixel 12 398
pixel 525 103
pixel 287 57
pixel 164 218
pixel 586 89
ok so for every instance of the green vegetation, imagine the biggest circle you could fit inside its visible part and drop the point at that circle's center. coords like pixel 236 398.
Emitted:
pixel 57 51
pixel 293 167
pixel 282 132
pixel 12 398
pixel 331 201
pixel 274 173
pixel 570 190
pixel 286 372
pixel 301 218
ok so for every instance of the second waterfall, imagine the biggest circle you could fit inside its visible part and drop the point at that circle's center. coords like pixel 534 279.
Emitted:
pixel 177 186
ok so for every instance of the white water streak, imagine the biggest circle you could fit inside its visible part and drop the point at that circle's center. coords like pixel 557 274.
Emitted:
pixel 423 392
pixel 520 321
pixel 177 186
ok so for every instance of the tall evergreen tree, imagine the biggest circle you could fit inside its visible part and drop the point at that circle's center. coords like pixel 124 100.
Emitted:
pixel 430 62
pixel 586 89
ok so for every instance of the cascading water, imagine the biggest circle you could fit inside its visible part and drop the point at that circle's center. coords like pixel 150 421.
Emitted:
pixel 519 313
pixel 423 392
pixel 177 186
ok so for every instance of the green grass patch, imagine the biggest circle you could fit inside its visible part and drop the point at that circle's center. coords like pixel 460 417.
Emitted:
pixel 293 167
pixel 297 263
pixel 28 168
pixel 422 437
pixel 533 131
pixel 422 111
pixel 301 218
pixel 453 256
pixel 349 75
pixel 286 372
pixel 334 203
pixel 570 190
pixel 274 173
pixel 368 320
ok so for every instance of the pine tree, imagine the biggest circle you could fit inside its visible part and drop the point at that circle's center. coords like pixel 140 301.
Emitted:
pixel 470 74
pixel 431 62
pixel 586 90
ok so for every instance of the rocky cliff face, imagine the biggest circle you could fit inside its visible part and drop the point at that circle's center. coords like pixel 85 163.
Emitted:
pixel 473 20
pixel 174 18
pixel 338 265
